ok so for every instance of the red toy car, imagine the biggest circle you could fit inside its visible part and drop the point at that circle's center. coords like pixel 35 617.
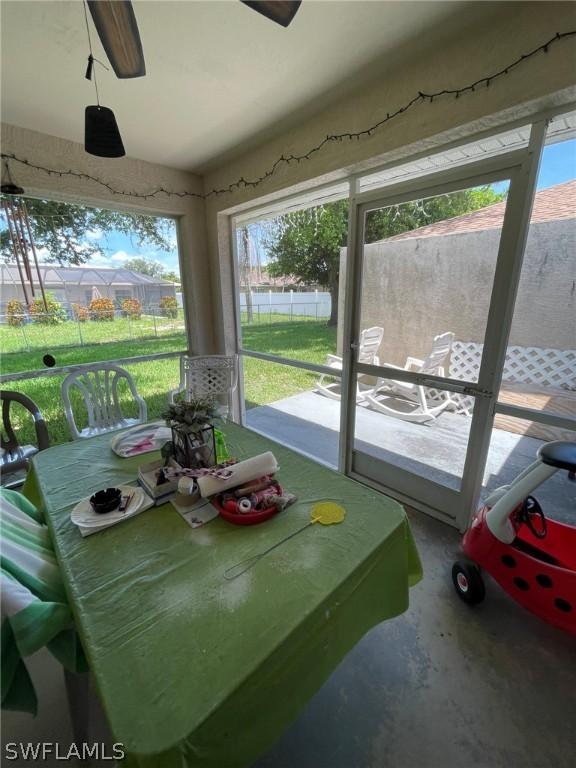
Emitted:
pixel 532 558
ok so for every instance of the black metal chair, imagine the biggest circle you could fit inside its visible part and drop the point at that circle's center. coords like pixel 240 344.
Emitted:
pixel 15 458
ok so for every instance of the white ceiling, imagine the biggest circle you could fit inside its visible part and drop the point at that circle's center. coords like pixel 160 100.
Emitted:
pixel 217 72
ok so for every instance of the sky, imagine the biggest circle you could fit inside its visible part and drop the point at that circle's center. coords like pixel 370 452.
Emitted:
pixel 118 248
pixel 558 164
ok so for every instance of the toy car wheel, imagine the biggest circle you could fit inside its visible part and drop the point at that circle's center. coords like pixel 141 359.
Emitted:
pixel 468 582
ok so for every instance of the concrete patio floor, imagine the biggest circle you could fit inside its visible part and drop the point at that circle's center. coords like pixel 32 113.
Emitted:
pixel 310 422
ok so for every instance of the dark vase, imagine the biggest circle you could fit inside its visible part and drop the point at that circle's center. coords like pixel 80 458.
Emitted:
pixel 194 450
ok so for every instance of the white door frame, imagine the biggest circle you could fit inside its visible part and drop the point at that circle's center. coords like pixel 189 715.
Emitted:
pixel 521 167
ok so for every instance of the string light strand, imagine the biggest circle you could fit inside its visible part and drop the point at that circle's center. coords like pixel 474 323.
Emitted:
pixel 421 97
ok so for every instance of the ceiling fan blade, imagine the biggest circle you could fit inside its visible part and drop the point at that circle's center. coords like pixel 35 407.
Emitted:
pixel 280 11
pixel 116 25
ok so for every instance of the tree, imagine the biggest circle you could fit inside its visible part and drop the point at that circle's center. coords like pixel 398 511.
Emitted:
pixel 171 276
pixel 246 271
pixel 145 266
pixel 63 230
pixel 151 268
pixel 305 245
pixel 386 222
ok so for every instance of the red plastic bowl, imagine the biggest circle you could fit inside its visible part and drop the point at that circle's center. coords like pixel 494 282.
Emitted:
pixel 249 518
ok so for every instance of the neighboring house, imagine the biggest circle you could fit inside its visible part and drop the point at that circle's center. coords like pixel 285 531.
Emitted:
pixel 75 285
pixel 439 278
pixel 260 280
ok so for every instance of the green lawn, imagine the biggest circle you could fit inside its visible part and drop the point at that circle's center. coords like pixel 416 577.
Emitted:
pixel 35 336
pixel 16 362
pixel 309 341
pixel 300 339
pixel 264 382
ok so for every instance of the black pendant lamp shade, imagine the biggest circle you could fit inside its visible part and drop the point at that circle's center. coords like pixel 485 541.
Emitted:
pixel 8 187
pixel 116 25
pixel 280 11
pixel 101 135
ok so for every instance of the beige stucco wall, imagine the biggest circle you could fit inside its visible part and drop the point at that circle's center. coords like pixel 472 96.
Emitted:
pixel 419 287
pixel 480 48
pixel 125 174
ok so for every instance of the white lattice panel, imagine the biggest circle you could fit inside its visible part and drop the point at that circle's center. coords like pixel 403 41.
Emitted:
pixel 544 367
pixel 524 365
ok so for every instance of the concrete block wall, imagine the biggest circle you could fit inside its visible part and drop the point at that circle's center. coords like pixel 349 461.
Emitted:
pixel 419 287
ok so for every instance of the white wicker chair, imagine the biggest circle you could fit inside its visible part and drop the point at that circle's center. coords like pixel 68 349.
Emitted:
pixel 98 385
pixel 370 340
pixel 208 377
pixel 425 408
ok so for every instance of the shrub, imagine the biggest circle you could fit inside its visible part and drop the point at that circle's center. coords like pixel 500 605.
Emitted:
pixel 132 308
pixel 15 312
pixel 52 316
pixel 168 306
pixel 101 309
pixel 80 313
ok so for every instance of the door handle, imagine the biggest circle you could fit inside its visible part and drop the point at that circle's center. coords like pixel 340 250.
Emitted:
pixel 460 389
pixel 477 392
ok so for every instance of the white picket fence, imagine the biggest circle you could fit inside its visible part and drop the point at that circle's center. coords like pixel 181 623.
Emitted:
pixel 524 365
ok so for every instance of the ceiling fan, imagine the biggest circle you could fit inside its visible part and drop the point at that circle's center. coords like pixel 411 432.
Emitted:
pixel 117 28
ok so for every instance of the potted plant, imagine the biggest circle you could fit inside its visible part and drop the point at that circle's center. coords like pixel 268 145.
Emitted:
pixel 193 442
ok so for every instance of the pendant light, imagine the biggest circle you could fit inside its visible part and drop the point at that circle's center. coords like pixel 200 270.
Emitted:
pixel 101 135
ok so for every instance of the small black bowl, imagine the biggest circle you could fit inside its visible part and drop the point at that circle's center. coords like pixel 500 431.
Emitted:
pixel 106 501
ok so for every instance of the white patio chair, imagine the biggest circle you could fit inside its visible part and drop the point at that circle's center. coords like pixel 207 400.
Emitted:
pixel 370 340
pixel 208 377
pixel 98 385
pixel 424 408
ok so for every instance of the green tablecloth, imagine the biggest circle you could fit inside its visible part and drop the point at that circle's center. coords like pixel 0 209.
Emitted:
pixel 194 670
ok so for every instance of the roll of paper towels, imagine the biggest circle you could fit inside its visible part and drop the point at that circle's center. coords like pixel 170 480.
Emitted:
pixel 186 486
pixel 243 472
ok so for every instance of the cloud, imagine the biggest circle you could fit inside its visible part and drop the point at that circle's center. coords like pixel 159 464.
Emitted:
pixel 120 257
pixel 94 234
pixel 117 259
pixel 99 261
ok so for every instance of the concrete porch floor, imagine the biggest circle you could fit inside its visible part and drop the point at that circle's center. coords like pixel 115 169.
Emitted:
pixel 310 422
pixel 443 686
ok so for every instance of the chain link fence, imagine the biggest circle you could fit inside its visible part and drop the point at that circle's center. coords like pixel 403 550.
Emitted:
pixel 29 331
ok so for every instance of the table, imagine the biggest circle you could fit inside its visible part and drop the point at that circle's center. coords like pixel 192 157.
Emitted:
pixel 194 670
